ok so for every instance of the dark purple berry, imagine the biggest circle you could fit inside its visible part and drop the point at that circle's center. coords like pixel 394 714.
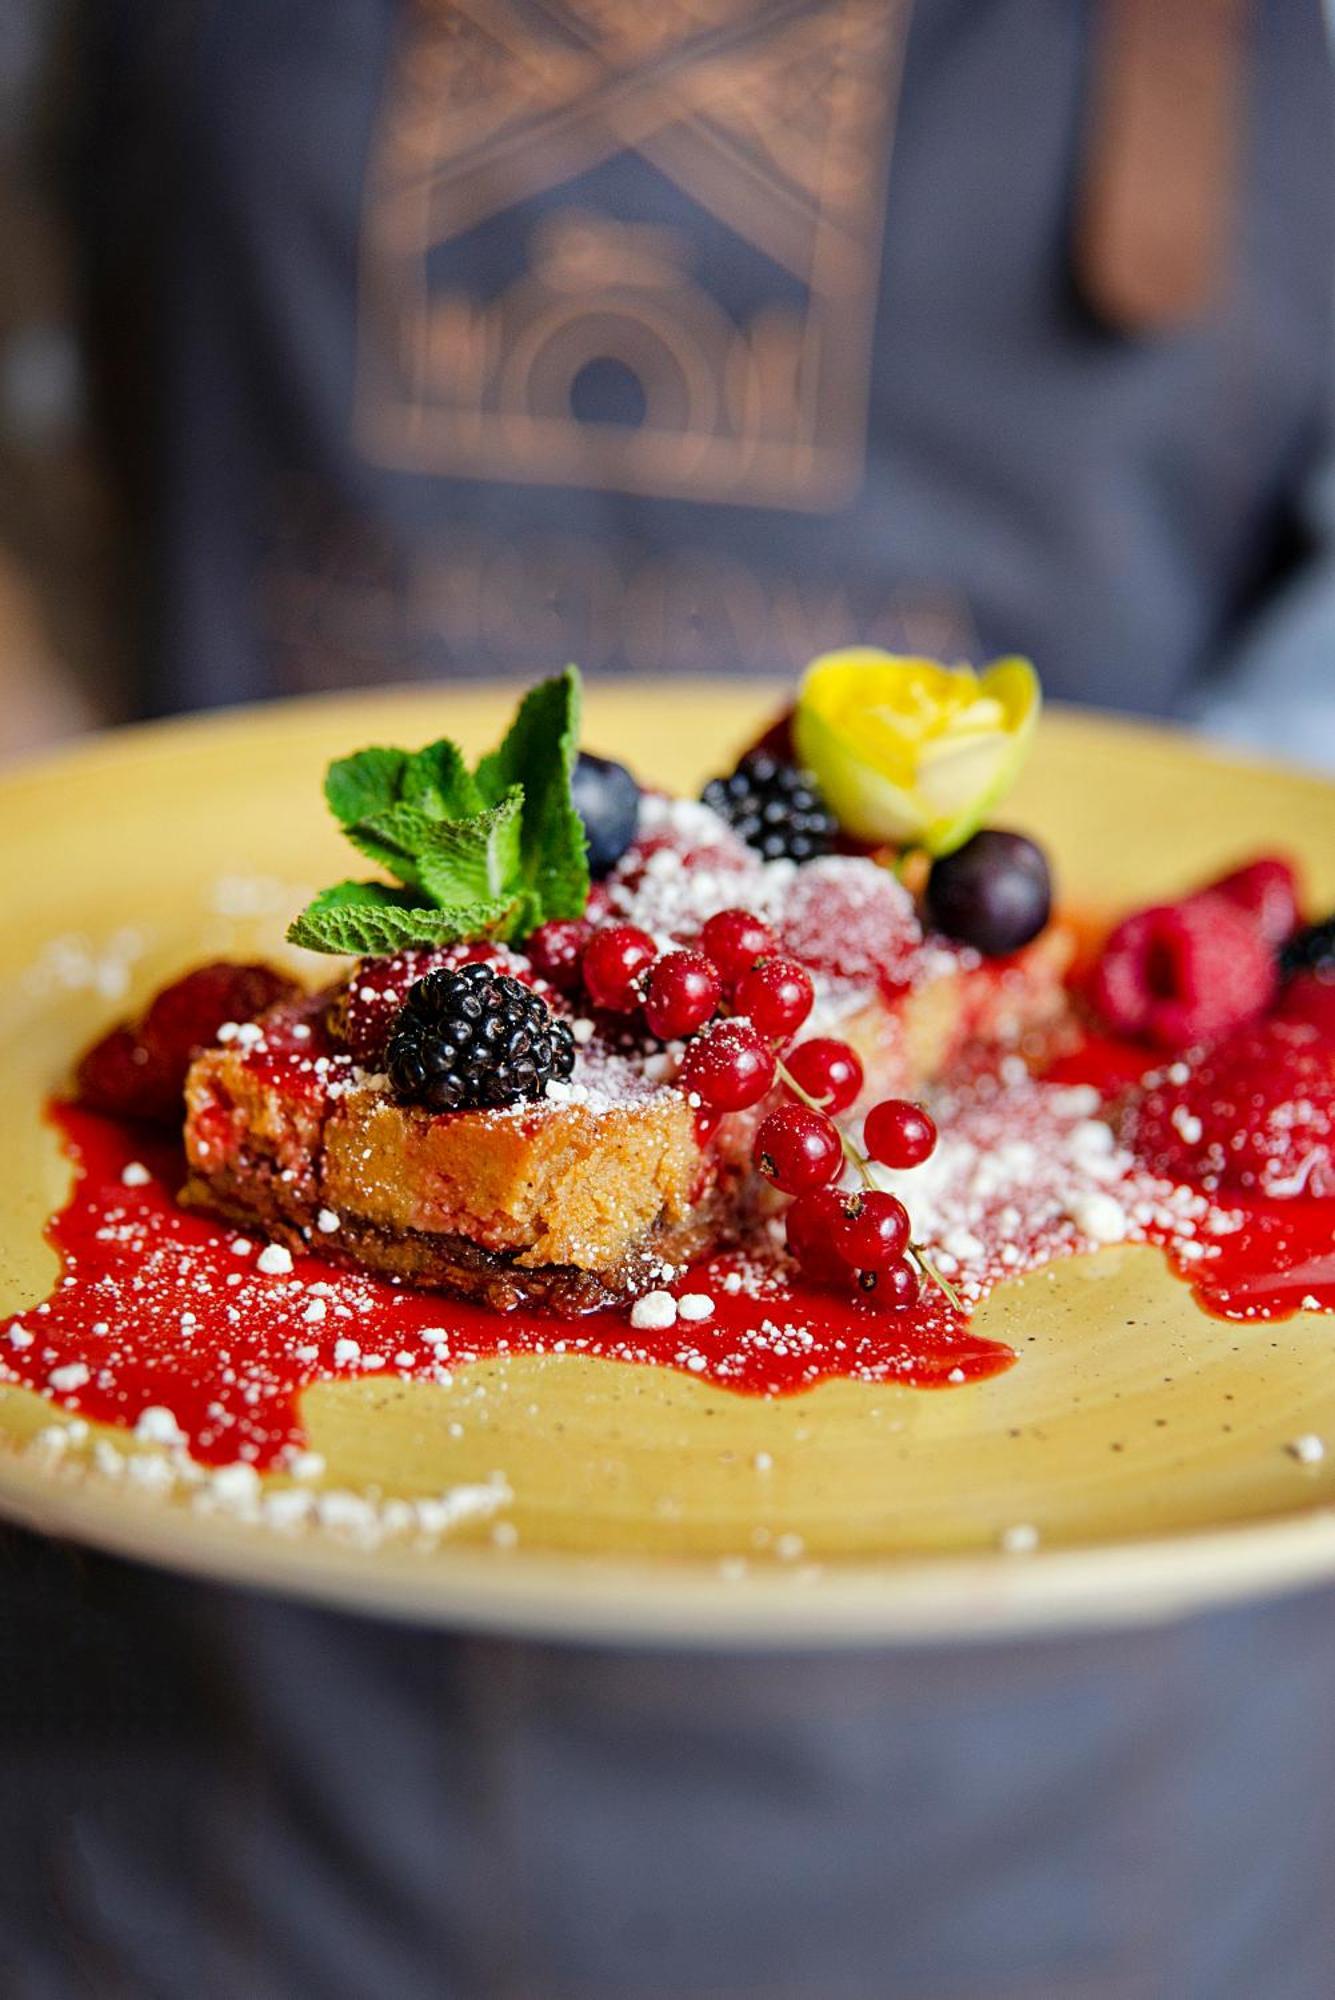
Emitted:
pixel 994 893
pixel 607 800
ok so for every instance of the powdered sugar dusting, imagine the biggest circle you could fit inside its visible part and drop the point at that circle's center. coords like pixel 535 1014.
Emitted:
pixel 847 919
pixel 156 1311
pixel 1023 1172
pixel 198 1341
pixel 75 963
pixel 158 1325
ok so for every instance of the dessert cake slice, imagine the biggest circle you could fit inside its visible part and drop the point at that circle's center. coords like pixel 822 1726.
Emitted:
pixel 585 1194
pixel 568 1203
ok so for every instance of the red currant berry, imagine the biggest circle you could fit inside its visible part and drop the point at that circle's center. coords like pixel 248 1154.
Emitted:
pixel 612 964
pixel 829 1071
pixel 798 1149
pixel 776 995
pixel 899 1134
pixel 730 1067
pixel 811 1221
pixel 554 951
pixel 684 990
pixel 895 1288
pixel 734 939
pixel 873 1230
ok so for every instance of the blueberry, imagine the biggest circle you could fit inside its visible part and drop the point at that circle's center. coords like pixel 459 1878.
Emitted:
pixel 994 893
pixel 607 799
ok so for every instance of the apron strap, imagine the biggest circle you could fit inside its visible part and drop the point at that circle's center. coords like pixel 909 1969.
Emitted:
pixel 1155 210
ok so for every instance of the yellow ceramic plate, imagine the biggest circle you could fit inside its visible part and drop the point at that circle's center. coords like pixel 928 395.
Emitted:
pixel 1145 1442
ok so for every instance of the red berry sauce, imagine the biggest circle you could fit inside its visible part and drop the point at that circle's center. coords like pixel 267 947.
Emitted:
pixel 1262 1259
pixel 158 1307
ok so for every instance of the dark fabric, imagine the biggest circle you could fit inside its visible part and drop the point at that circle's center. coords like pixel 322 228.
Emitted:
pixel 295 405
pixel 212 1794
pixel 312 295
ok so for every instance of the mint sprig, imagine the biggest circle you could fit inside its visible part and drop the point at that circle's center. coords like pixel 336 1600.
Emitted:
pixel 537 759
pixel 487 853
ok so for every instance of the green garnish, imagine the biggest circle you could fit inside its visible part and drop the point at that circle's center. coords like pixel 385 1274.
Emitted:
pixel 487 853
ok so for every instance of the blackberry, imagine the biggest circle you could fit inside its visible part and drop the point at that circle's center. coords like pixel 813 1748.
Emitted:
pixel 1311 949
pixel 474 1039
pixel 774 807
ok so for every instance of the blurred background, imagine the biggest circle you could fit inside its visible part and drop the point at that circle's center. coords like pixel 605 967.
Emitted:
pixel 345 341
pixel 355 341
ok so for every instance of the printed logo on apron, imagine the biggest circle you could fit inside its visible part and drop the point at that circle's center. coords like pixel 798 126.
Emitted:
pixel 630 244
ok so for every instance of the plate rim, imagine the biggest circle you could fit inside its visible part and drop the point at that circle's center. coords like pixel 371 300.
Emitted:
pixel 689 1604
pixel 672 1602
pixel 156 733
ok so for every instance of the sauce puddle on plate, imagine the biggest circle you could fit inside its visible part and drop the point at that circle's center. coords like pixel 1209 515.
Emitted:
pixel 157 1306
pixel 160 1306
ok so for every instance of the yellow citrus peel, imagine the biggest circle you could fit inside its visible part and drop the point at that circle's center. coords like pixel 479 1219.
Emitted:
pixel 910 751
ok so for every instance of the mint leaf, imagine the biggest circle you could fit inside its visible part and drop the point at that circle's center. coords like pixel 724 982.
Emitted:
pixel 365 783
pixel 390 801
pixel 474 860
pixel 491 853
pixel 453 861
pixel 364 919
pixel 395 838
pixel 439 782
pixel 363 793
pixel 539 754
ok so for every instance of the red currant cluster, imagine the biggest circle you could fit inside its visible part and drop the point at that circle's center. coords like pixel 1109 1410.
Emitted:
pixel 738 1000
pixel 736 961
pixel 864 1236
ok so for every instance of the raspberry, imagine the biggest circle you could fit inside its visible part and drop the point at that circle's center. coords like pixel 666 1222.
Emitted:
pixel 1182 973
pixel 852 922
pixel 554 951
pixel 1255 1115
pixel 114 1077
pixel 1265 890
pixel 188 1014
pixel 707 844
pixel 1311 998
pixel 139 1069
